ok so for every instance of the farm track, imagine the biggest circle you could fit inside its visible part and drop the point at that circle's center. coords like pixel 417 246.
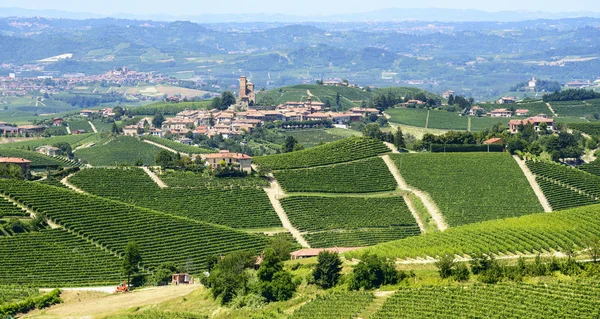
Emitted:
pixel 274 192
pixel 68 130
pixel 93 126
pixel 551 110
pixel 31 212
pixel 534 185
pixel 166 148
pixel 391 147
pixel 155 178
pixel 413 210
pixel 432 208
pixel 65 181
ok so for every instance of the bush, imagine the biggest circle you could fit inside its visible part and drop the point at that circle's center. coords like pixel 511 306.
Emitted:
pixel 372 272
pixel 445 266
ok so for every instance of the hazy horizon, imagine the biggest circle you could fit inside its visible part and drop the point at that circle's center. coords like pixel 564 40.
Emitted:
pixel 304 8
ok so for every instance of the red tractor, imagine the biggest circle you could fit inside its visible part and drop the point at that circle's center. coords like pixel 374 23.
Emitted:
pixel 122 288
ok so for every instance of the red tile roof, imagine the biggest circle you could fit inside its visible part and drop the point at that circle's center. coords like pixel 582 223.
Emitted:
pixel 227 154
pixel 14 160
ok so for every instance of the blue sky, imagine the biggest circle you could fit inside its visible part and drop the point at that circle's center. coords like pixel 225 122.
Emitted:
pixel 303 7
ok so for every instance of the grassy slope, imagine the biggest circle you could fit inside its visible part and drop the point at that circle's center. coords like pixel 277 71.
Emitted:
pixel 470 187
pixel 123 149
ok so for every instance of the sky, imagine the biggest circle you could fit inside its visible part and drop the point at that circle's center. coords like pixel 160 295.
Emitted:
pixel 303 7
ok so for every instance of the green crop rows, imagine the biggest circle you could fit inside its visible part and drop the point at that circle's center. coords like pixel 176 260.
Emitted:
pixel 561 197
pixel 161 237
pixel 38 161
pixel 187 149
pixel 592 168
pixel 337 305
pixel 73 140
pixel 199 180
pixel 575 108
pixel 315 137
pixel 15 293
pixel 413 117
pixel 447 120
pixel 470 187
pixel 580 181
pixel 526 234
pixel 80 125
pixel 122 150
pixel 589 128
pixel 246 207
pixel 370 175
pixel 8 209
pixel 346 150
pixel 350 221
pixel 505 300
pixel 55 258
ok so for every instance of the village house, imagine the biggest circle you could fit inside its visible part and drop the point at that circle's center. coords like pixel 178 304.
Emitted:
pixel 447 94
pixel 177 123
pixel 25 164
pixel 77 132
pixel 57 121
pixel 513 125
pixel 8 129
pixel 500 113
pixel 130 130
pixel 521 112
pixel 32 129
pixel 364 112
pixel 156 132
pixel 476 110
pixel 412 102
pixel 185 141
pixel 507 100
pixel 87 113
pixel 47 150
pixel 244 161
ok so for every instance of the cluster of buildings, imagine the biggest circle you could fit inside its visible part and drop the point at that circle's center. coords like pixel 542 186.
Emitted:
pixel 9 129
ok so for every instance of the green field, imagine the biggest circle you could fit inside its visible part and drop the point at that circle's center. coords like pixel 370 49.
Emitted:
pixel 204 180
pixel 38 161
pixel 447 120
pixel 186 149
pixel 364 176
pixel 348 149
pixel 507 300
pixel 121 150
pixel 73 140
pixel 351 221
pixel 246 207
pixel 470 187
pixel 111 224
pixel 412 117
pixel 576 108
pixel 315 137
pixel 336 305
pixel 80 125
pixel 526 234
pixel 49 258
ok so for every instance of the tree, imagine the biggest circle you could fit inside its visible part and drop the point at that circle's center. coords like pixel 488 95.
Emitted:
pixel 290 144
pixel 282 247
pixel 399 141
pixel 337 100
pixel 328 268
pixel 275 284
pixel 65 148
pixel 594 248
pixel 163 274
pixel 451 100
pixel 229 278
pixel 158 120
pixel 164 158
pixel 115 129
pixel 461 273
pixel 445 266
pixel 131 260
pixel 11 171
pixel 372 130
pixel 372 272
pixel 227 99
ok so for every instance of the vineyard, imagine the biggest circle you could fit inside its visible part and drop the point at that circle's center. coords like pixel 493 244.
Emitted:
pixel 161 237
pixel 15 293
pixel 576 108
pixel 186 149
pixel 526 234
pixel 354 221
pixel 200 180
pixel 315 137
pixel 55 258
pixel 8 209
pixel 570 187
pixel 38 161
pixel 346 150
pixel 370 175
pixel 506 300
pixel 337 305
pixel 122 150
pixel 592 168
pixel 73 140
pixel 80 125
pixel 470 187
pixel 246 207
pixel 589 128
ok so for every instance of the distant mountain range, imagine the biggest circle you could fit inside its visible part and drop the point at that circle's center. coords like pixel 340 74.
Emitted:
pixel 392 14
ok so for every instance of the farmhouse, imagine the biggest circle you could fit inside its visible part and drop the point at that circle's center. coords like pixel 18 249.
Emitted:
pixel 57 121
pixel 47 150
pixel 475 110
pixel 21 162
pixel 35 129
pixel 507 100
pixel 513 125
pixel 130 130
pixel 7 129
pixel 521 112
pixel 87 113
pixel 244 161
pixel 181 279
pixel 500 113
pixel 447 94
pixel 365 111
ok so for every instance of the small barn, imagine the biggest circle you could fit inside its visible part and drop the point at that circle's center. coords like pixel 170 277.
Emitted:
pixel 181 279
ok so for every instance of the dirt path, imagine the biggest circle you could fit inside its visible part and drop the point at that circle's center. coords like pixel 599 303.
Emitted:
pixel 432 208
pixel 534 185
pixel 589 156
pixel 65 181
pixel 68 130
pixel 114 303
pixel 427 120
pixel 165 147
pixel 275 192
pixel 93 126
pixel 413 211
pixel 309 94
pixel 551 110
pixel 155 178
pixel 31 212
pixel 391 147
pixel 469 124
pixel 465 258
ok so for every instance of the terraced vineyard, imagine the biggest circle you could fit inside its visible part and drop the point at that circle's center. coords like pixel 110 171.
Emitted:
pixel 370 175
pixel 246 207
pixel 73 140
pixel 38 161
pixel 470 187
pixel 353 221
pixel 122 150
pixel 315 137
pixel 199 180
pixel 505 300
pixel 8 209
pixel 592 168
pixel 338 305
pixel 525 234
pixel 584 187
pixel 589 128
pixel 187 149
pixel 346 150
pixel 575 108
pixel 80 125
pixel 161 237
pixel 55 258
